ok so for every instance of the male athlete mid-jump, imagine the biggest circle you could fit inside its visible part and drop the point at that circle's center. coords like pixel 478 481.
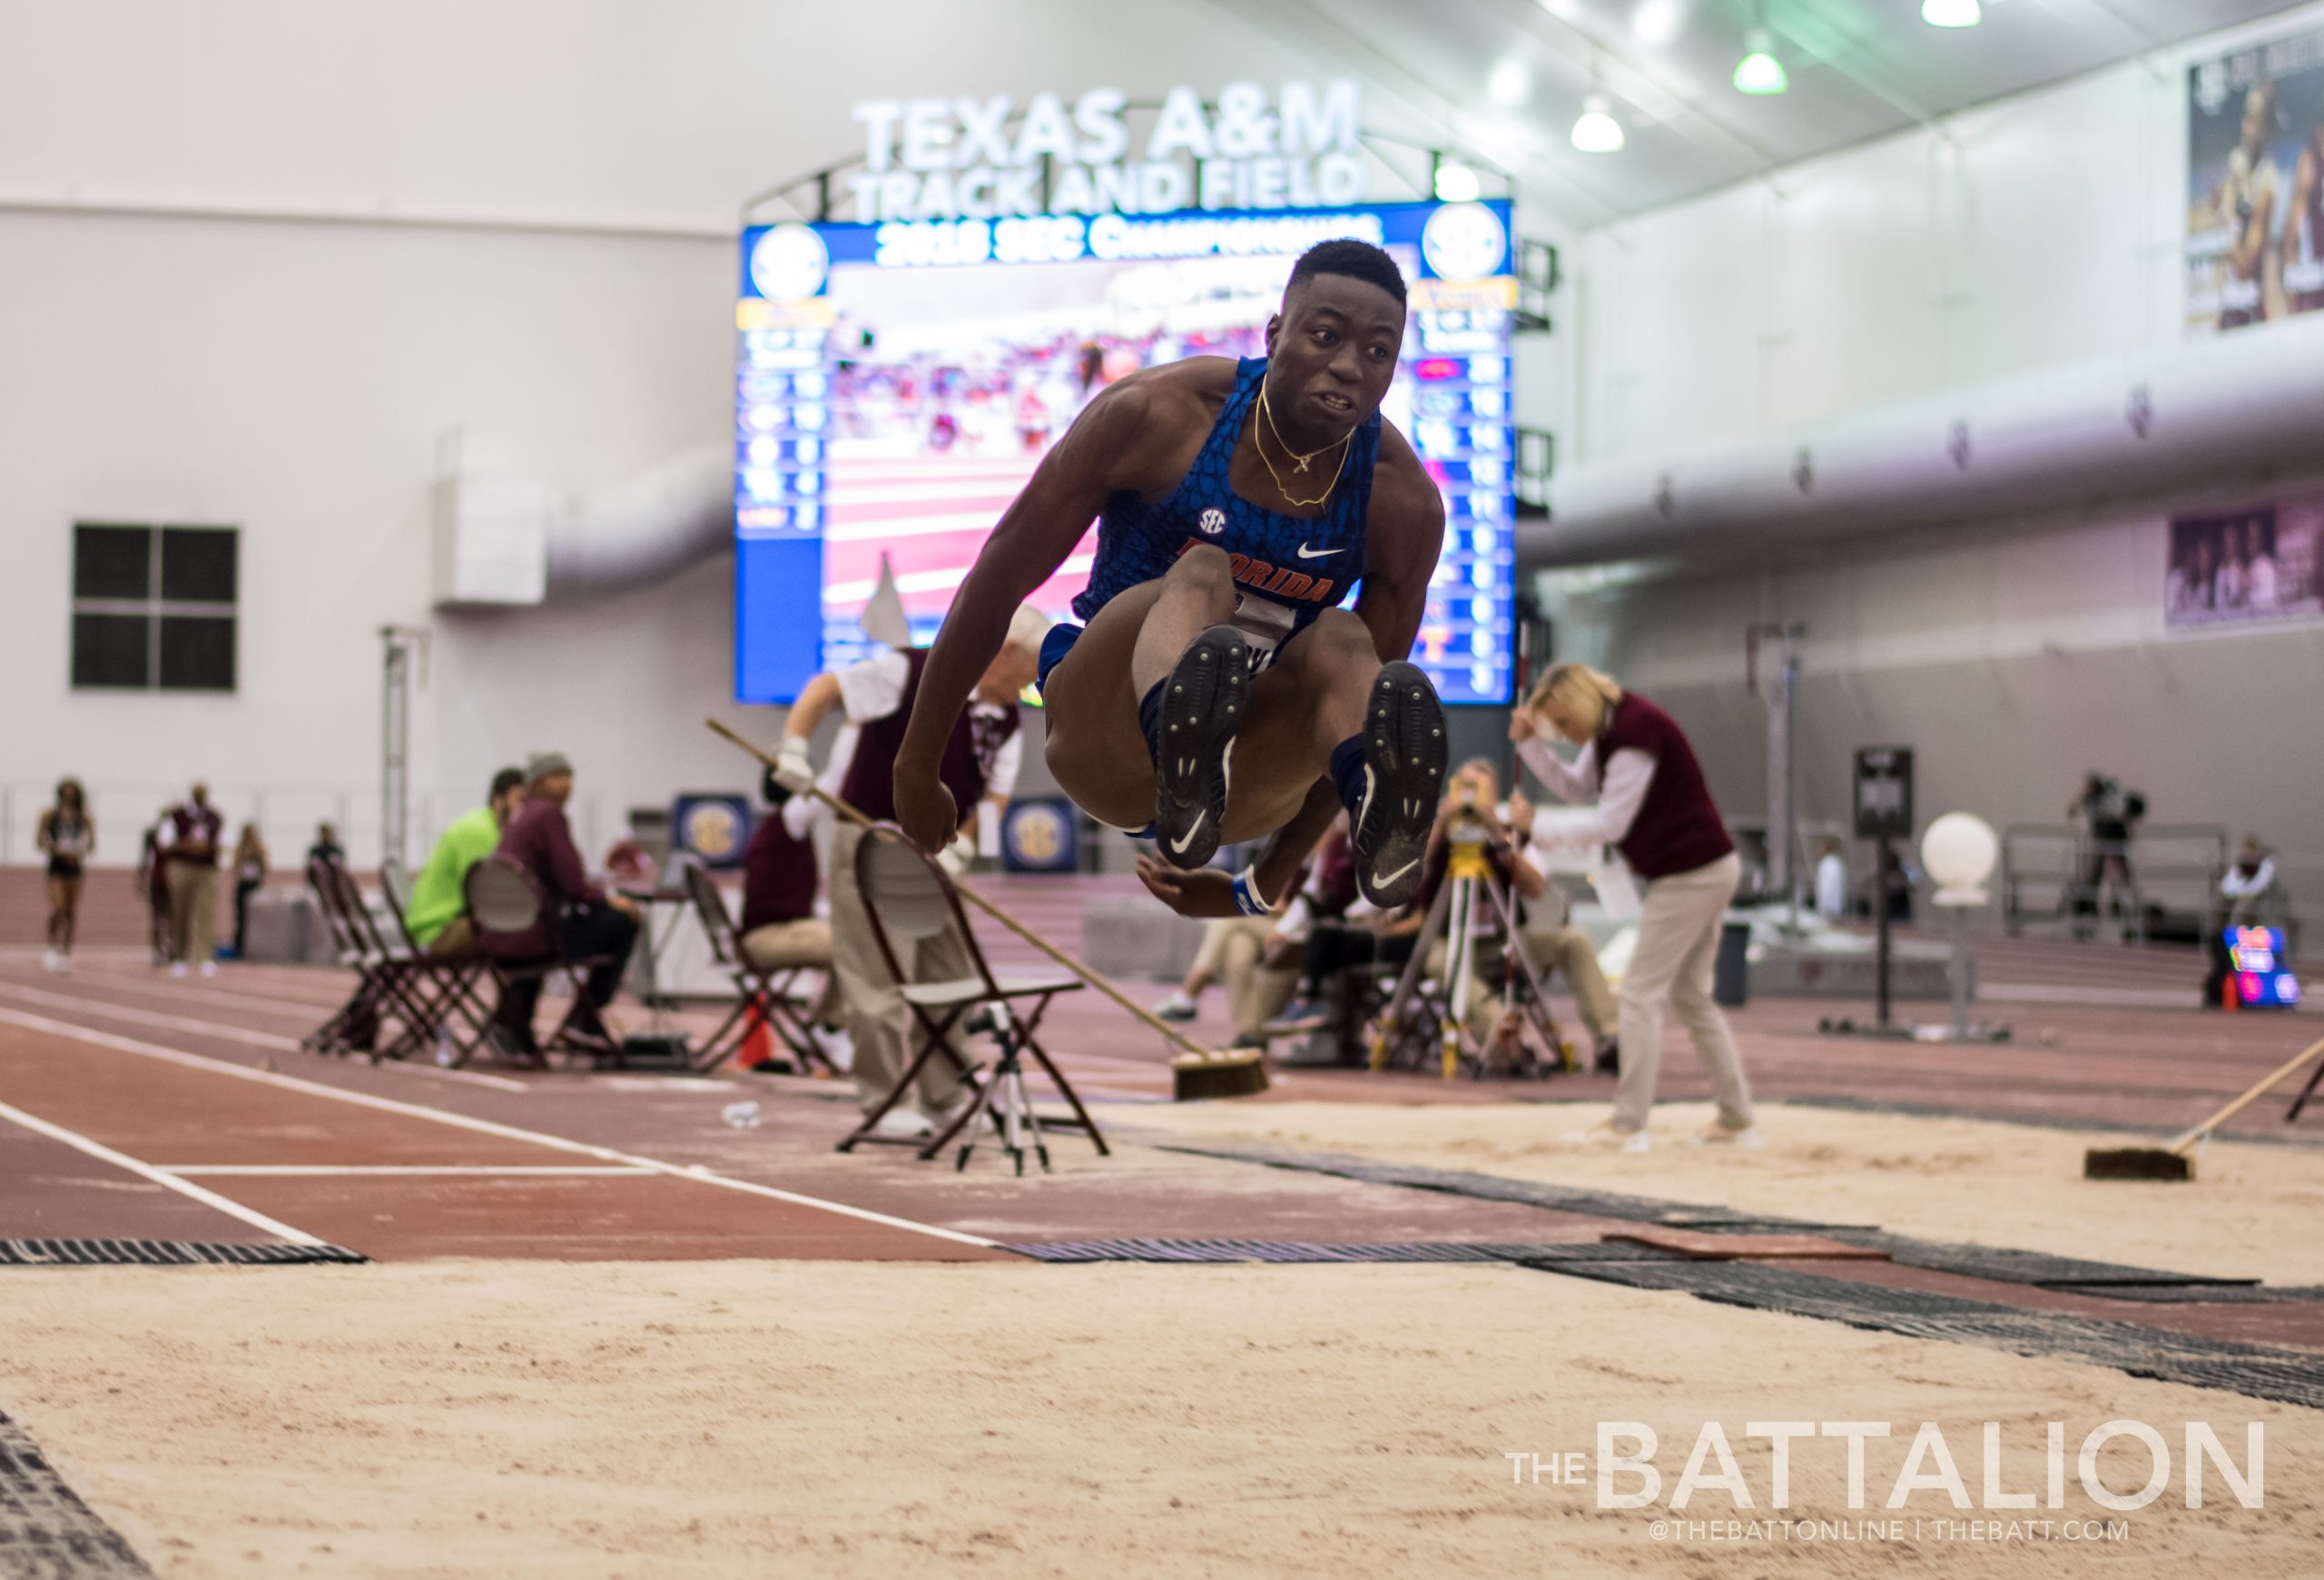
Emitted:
pixel 1217 692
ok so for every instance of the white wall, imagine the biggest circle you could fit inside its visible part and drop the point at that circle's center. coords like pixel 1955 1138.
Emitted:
pixel 2038 230
pixel 294 380
pixel 2013 659
pixel 262 256
pixel 2016 654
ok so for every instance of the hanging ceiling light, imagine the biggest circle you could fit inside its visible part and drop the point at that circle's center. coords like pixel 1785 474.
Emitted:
pixel 1457 183
pixel 1952 12
pixel 1509 83
pixel 1760 72
pixel 1597 132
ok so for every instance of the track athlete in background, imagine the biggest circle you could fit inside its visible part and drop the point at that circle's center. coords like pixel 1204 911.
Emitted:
pixel 1217 691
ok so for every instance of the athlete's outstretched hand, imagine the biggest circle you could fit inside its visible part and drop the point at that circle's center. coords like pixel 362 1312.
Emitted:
pixel 1203 892
pixel 924 807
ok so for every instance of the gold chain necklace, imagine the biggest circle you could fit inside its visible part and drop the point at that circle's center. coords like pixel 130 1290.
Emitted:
pixel 1288 497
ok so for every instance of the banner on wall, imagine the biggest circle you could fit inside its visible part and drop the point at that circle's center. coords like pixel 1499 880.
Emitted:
pixel 2255 183
pixel 2263 563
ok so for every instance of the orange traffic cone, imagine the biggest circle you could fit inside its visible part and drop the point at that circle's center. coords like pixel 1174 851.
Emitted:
pixel 758 1041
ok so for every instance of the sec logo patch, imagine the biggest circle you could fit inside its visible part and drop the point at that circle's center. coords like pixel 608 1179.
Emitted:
pixel 1212 522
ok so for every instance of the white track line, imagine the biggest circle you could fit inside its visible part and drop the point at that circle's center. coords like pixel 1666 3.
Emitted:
pixel 243 1034
pixel 2123 998
pixel 463 1121
pixel 157 980
pixel 152 987
pixel 168 1181
pixel 398 1170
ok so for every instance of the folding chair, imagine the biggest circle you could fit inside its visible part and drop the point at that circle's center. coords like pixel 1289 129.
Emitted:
pixel 448 982
pixel 509 911
pixel 353 1027
pixel 772 993
pixel 388 976
pixel 910 900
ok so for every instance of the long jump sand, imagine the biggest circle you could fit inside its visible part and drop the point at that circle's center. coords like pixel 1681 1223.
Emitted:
pixel 750 1418
pixel 2253 1210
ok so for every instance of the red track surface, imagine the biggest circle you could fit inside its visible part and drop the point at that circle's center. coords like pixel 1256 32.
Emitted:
pixel 133 1106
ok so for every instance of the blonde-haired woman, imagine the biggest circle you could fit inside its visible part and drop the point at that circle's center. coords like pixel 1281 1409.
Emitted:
pixel 1651 802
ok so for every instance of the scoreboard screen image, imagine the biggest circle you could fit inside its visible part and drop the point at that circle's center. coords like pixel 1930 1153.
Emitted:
pixel 896 384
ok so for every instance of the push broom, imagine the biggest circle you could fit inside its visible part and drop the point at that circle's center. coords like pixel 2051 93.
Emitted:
pixel 2176 1161
pixel 1198 1072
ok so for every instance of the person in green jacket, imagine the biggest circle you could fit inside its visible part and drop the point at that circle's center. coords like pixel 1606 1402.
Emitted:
pixel 437 913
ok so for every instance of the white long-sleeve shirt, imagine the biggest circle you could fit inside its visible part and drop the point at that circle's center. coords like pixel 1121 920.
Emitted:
pixel 871 690
pixel 1618 790
pixel 2235 886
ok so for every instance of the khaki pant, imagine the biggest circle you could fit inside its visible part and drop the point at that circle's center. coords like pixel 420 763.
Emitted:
pixel 1233 950
pixel 457 938
pixel 804 942
pixel 877 1018
pixel 1568 951
pixel 193 911
pixel 1677 944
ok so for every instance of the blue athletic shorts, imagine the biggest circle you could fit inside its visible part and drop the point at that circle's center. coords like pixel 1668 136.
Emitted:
pixel 1054 647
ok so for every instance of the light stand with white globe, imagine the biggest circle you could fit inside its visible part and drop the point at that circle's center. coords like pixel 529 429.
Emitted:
pixel 1959 851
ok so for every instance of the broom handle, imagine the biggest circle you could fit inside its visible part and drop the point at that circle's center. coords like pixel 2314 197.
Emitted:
pixel 1085 972
pixel 2240 1103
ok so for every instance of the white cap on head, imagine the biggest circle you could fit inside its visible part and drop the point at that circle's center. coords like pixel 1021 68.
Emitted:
pixel 1026 629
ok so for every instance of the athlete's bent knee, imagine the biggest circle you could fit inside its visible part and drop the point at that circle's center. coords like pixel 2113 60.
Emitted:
pixel 1339 645
pixel 1204 565
pixel 1341 628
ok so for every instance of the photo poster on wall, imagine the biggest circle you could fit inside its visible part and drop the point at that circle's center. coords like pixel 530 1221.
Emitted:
pixel 2255 183
pixel 2265 562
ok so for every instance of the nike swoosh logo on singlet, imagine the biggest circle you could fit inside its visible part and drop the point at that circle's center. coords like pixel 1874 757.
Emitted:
pixel 1307 553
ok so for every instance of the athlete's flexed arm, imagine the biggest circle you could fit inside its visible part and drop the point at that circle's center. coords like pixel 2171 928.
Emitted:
pixel 1114 444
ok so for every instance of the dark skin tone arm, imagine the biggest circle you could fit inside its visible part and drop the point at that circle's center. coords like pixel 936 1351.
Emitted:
pixel 1126 438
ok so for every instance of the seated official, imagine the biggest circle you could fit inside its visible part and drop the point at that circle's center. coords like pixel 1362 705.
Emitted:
pixel 1251 955
pixel 1258 957
pixel 779 928
pixel 1557 949
pixel 1471 798
pixel 2248 886
pixel 589 922
pixel 2247 897
pixel 436 915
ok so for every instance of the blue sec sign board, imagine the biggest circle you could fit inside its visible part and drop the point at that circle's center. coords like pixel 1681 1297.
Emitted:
pixel 714 829
pixel 1040 834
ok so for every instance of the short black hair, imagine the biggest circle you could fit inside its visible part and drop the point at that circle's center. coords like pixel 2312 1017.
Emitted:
pixel 1356 260
pixel 506 780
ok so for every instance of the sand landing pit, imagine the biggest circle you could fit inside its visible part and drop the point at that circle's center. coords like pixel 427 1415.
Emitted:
pixel 746 1418
pixel 2250 1213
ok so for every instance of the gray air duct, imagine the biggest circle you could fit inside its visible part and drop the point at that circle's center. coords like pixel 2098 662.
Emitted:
pixel 505 539
pixel 2178 418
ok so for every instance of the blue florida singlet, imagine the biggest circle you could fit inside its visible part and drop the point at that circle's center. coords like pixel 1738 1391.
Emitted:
pixel 1287 571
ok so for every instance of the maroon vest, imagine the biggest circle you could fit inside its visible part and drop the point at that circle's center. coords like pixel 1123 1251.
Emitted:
pixel 778 875
pixel 969 751
pixel 1676 828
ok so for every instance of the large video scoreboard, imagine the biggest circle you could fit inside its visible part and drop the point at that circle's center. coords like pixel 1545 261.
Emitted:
pixel 896 384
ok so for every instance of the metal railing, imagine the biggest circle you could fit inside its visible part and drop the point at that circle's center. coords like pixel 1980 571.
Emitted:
pixel 2056 873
